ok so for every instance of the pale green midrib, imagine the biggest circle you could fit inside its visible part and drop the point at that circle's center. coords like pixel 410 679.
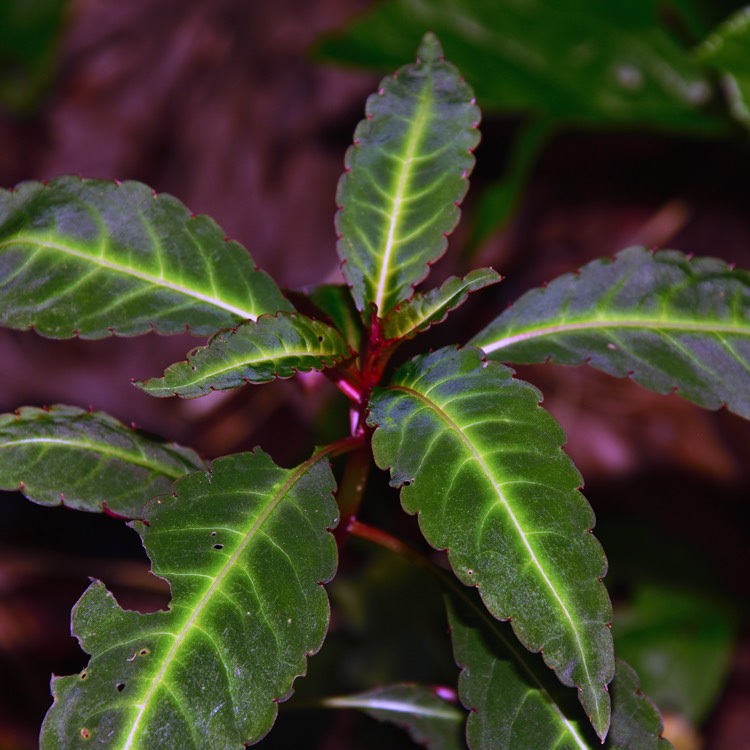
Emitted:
pixel 394 706
pixel 604 325
pixel 413 139
pixel 205 599
pixel 234 366
pixel 107 451
pixel 134 273
pixel 498 491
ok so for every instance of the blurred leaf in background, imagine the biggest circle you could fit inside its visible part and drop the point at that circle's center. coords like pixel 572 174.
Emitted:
pixel 30 32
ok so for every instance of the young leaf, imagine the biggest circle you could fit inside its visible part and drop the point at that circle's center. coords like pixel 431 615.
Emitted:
pixel 428 309
pixel 430 720
pixel 668 321
pixel 405 177
pixel 245 548
pixel 274 346
pixel 726 50
pixel 513 703
pixel 335 302
pixel 482 465
pixel 86 460
pixel 91 258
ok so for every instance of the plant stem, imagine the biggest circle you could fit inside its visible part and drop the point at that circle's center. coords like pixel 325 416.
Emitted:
pixel 352 487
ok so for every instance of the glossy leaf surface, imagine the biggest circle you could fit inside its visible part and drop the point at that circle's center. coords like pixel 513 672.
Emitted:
pixel 92 258
pixel 430 720
pixel 245 547
pixel 668 321
pixel 515 704
pixel 405 175
pixel 726 51
pixel 274 346
pixel 86 460
pixel 482 465
pixel 430 308
pixel 579 61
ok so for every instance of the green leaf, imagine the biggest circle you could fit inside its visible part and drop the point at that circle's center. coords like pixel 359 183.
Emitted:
pixel 335 302
pixel 482 465
pixel 429 719
pixel 274 346
pixel 726 51
pixel 681 642
pixel 576 61
pixel 91 258
pixel 514 704
pixel 86 460
pixel 430 308
pixel 668 321
pixel 405 177
pixel 245 548
pixel 636 723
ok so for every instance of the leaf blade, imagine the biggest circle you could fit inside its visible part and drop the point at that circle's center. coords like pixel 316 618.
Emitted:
pixel 429 719
pixel 482 465
pixel 430 308
pixel 274 346
pixel 188 672
pixel 90 460
pixel 405 177
pixel 91 258
pixel 668 321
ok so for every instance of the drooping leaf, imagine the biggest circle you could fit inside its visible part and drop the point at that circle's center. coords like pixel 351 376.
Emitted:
pixel 430 719
pixel 515 703
pixel 681 642
pixel 726 51
pixel 405 177
pixel 274 346
pixel 482 465
pixel 428 309
pixel 575 61
pixel 86 460
pixel 245 547
pixel 93 258
pixel 668 321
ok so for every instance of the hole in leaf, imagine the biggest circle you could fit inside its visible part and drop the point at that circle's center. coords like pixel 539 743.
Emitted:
pixel 213 533
pixel 85 733
pixel 218 546
pixel 120 687
pixel 84 674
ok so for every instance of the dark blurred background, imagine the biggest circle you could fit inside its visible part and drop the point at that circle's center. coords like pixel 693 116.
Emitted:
pixel 223 105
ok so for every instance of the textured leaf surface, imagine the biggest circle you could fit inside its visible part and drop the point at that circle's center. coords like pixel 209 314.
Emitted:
pixel 726 50
pixel 274 346
pixel 572 60
pixel 482 465
pixel 430 720
pixel 86 460
pixel 516 705
pixel 335 302
pixel 405 176
pixel 92 258
pixel 428 309
pixel 245 548
pixel 668 321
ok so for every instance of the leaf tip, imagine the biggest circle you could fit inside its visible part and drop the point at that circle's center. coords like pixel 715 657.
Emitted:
pixel 430 50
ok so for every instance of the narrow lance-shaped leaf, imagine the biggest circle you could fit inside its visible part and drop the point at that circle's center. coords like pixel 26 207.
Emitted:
pixel 430 308
pixel 514 703
pixel 405 177
pixel 86 460
pixel 245 547
pixel 482 465
pixel 668 321
pixel 275 346
pixel 429 719
pixel 92 258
